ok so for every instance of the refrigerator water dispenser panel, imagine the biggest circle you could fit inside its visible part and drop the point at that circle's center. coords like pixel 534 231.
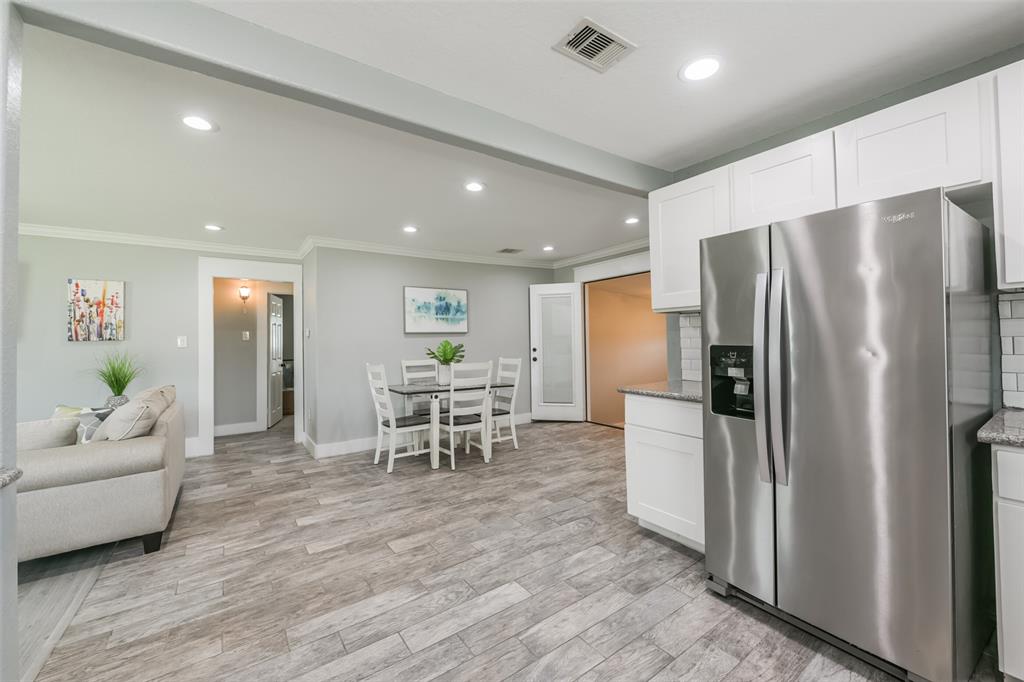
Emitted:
pixel 732 377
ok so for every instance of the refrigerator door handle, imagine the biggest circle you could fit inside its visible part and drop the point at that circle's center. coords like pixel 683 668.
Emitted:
pixel 775 393
pixel 760 377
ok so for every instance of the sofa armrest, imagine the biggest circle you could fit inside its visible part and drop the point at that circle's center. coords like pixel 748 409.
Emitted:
pixel 72 464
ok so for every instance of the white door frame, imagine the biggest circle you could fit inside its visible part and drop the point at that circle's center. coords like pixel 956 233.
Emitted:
pixel 209 269
pixel 633 264
pixel 10 132
pixel 263 349
pixel 577 410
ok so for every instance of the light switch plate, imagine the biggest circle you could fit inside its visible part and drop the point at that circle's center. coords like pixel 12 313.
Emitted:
pixel 182 342
pixel 245 336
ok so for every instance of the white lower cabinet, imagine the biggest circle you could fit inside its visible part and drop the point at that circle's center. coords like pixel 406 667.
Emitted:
pixel 665 469
pixel 1009 521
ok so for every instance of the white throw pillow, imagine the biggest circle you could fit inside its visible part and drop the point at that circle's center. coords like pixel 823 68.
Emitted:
pixel 47 433
pixel 133 419
pixel 168 393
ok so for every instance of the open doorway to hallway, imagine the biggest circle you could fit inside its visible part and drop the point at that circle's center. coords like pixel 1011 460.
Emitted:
pixel 625 343
pixel 253 340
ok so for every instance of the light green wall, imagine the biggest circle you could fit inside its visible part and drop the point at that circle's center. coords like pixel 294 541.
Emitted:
pixel 161 292
pixel 234 360
pixel 359 319
pixel 160 305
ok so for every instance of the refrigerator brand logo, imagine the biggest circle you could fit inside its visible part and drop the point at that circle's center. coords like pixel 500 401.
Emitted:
pixel 898 217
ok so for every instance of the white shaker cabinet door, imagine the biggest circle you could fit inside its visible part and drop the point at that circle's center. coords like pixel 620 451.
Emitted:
pixel 1008 190
pixel 936 140
pixel 790 181
pixel 680 216
pixel 1010 520
pixel 665 481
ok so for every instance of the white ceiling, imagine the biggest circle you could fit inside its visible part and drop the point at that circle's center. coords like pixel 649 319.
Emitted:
pixel 783 63
pixel 103 148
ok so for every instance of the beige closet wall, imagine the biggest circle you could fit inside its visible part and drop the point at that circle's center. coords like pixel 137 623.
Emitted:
pixel 625 343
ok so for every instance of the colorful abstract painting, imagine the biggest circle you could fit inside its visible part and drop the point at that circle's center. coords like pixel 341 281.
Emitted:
pixel 95 310
pixel 436 311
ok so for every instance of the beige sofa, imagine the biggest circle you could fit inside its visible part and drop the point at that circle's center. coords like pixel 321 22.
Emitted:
pixel 83 495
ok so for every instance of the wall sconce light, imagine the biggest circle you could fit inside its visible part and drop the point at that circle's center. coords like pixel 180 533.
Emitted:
pixel 244 292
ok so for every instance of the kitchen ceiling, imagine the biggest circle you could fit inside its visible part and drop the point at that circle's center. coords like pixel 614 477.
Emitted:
pixel 104 148
pixel 782 63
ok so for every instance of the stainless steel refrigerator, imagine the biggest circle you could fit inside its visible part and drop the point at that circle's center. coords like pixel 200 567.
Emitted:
pixel 847 367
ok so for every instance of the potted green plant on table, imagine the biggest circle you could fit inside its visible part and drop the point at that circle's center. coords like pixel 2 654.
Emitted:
pixel 116 371
pixel 446 354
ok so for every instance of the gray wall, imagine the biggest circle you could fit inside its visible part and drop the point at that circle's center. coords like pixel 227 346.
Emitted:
pixel 234 360
pixel 160 299
pixel 310 385
pixel 359 318
pixel 288 303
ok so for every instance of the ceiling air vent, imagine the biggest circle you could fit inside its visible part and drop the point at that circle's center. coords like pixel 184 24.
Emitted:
pixel 508 250
pixel 594 45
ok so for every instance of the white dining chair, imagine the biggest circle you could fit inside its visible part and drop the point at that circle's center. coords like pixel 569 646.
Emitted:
pixel 468 408
pixel 391 424
pixel 503 401
pixel 419 371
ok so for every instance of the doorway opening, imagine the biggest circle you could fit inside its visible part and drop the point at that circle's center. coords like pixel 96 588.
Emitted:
pixel 253 359
pixel 625 343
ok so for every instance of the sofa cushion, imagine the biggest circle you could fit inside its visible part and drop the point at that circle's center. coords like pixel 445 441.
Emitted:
pixel 168 393
pixel 47 433
pixel 133 419
pixel 94 461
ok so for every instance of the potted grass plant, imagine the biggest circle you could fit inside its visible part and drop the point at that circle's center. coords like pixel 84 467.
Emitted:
pixel 116 371
pixel 446 354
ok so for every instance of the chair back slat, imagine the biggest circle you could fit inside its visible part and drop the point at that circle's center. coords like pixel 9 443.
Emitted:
pixel 380 394
pixel 509 370
pixel 424 370
pixel 466 376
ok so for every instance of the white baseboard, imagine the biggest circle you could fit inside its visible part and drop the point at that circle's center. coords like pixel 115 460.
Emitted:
pixel 237 429
pixel 350 447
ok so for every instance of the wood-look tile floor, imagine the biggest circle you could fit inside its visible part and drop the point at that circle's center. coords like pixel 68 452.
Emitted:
pixel 281 567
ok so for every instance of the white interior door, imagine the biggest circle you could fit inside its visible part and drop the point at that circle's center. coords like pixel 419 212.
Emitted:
pixel 275 393
pixel 556 352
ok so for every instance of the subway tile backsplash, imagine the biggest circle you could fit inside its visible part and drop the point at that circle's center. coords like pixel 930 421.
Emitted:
pixel 1011 338
pixel 689 344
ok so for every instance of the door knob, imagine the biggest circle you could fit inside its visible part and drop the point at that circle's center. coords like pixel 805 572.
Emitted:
pixel 535 359
pixel 534 350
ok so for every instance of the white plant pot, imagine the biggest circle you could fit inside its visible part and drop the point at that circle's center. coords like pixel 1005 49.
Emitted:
pixel 444 374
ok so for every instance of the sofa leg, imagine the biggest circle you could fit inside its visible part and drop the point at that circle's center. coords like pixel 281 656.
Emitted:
pixel 151 543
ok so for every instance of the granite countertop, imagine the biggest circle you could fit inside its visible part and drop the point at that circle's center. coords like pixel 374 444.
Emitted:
pixel 1006 427
pixel 675 389
pixel 8 476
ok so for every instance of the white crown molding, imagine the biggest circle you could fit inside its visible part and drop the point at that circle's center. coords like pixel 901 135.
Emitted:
pixel 369 247
pixel 310 243
pixel 634 245
pixel 82 234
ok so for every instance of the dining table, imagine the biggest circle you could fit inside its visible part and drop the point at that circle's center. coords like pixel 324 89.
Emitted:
pixel 438 391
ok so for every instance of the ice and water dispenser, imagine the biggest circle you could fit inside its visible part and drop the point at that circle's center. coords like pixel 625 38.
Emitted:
pixel 732 377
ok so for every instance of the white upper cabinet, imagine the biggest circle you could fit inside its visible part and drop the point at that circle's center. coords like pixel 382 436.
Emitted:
pixel 1008 196
pixel 936 140
pixel 790 181
pixel 680 216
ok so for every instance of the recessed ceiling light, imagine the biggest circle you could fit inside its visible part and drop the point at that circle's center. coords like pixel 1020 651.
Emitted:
pixel 549 248
pixel 213 228
pixel 632 220
pixel 199 123
pixel 699 69
pixel 410 229
pixel 474 186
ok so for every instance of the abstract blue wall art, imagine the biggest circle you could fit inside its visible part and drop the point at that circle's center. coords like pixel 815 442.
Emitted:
pixel 436 311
